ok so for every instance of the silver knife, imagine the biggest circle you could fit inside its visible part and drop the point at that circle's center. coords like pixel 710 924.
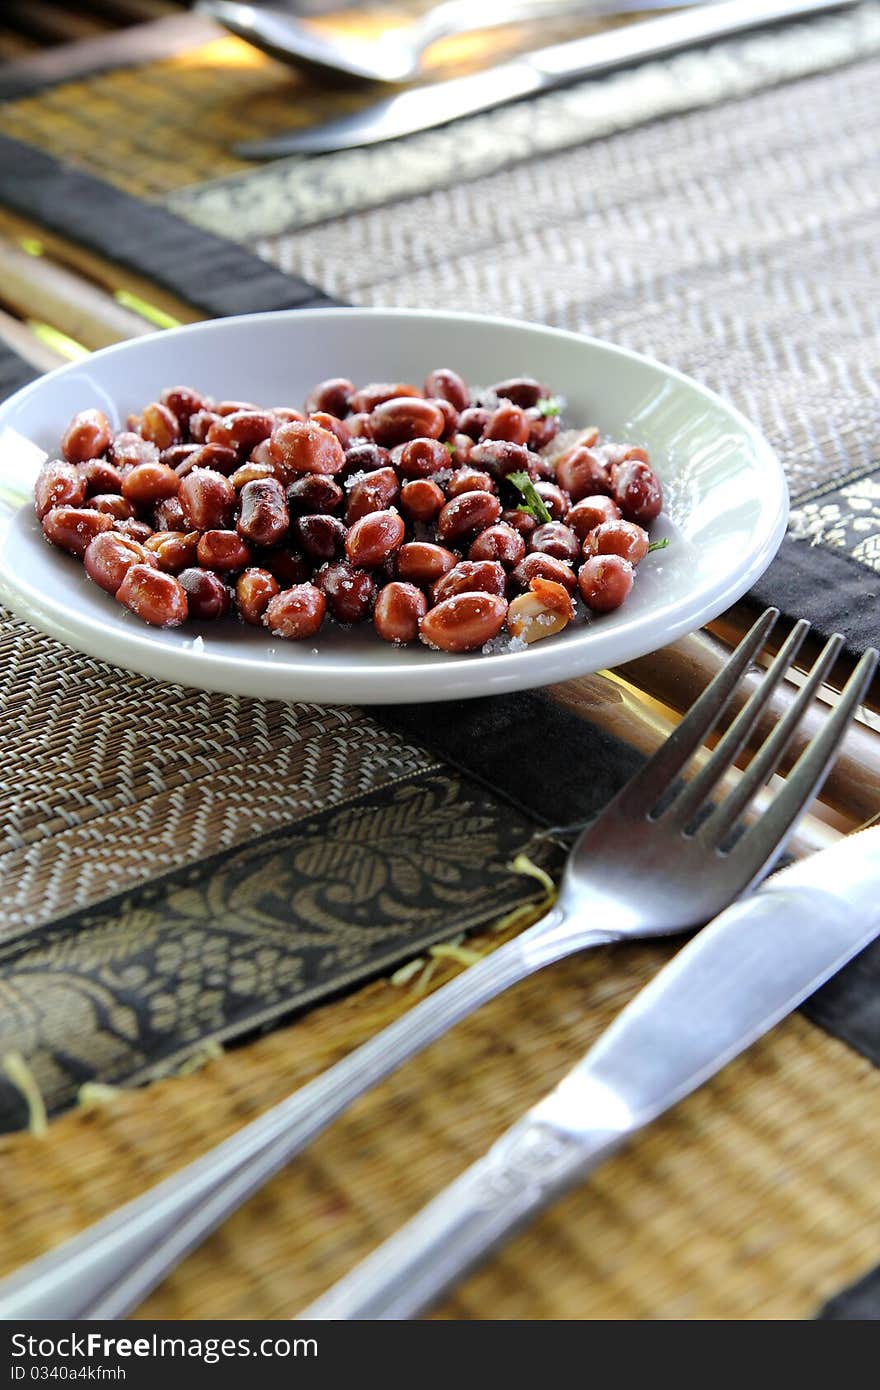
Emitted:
pixel 439 102
pixel 754 964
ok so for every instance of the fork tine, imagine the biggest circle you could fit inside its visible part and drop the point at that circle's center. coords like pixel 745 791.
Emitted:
pixel 770 754
pixel 764 841
pixel 685 806
pixel 644 790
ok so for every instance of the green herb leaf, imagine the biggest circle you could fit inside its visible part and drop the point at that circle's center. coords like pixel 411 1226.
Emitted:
pixel 534 503
pixel 658 545
pixel 450 448
pixel 548 405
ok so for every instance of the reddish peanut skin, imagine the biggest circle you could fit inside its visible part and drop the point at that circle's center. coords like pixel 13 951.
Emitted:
pixel 471 577
pixel 288 567
pixel 183 402
pixel 543 429
pixel 135 530
pixel 223 550
pixel 637 490
pixel 330 422
pixel 200 423
pixel 206 595
pixel 623 538
pixel 404 418
pixel 359 426
pixel 523 522
pixel 450 417
pixel 111 504
pixel 174 550
pixel 160 425
pixel 469 480
pixel 242 431
pixel 508 422
pixel 168 515
pixel 128 449
pixel 253 591
pixel 87 436
pixel 365 457
pixel 422 562
pixel 446 385
pixel 589 513
pixel 223 408
pixel 331 396
pixel 100 476
pixel 582 474
pixel 218 457
pixel 155 597
pixel 499 542
pixel 373 493
pixel 500 457
pixel 374 538
pixel 303 447
pixel 314 492
pixel 605 581
pixel 377 393
pixel 540 566
pixel 523 391
pixel 420 458
pixel 109 557
pixel 251 471
pixel 320 538
pixel 463 623
pixel 473 421
pixel 72 528
pixel 421 499
pixel 148 483
pixel 472 511
pixel 350 592
pixel 59 484
pixel 177 456
pixel 207 500
pixel 555 500
pixel 462 448
pixel 296 613
pixel 398 612
pixel 556 539
pixel 264 517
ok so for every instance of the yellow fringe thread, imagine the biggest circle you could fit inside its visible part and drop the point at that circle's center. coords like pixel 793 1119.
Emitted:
pixel 19 1073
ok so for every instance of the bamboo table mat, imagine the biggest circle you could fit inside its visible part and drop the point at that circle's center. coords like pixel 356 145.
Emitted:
pixel 743 1203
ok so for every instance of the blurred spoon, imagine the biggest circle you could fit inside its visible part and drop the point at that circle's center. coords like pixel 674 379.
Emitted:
pixel 397 54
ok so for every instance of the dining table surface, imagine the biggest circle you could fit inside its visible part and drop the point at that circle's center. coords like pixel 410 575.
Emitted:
pixel 210 898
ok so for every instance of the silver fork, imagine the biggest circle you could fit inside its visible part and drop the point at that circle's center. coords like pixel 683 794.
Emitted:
pixel 658 860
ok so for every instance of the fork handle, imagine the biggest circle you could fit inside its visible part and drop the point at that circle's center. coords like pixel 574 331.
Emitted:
pixel 106 1270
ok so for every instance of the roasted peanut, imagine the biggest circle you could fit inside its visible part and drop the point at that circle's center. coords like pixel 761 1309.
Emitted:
pixel 463 623
pixel 374 538
pixel 623 538
pixel 421 499
pixel 264 517
pixel 149 483
pixel 472 511
pixel 556 539
pixel 374 492
pixel 174 550
pixel 582 474
pixel 72 528
pixel 542 612
pixel 59 484
pixel 499 542
pixel 447 385
pixel 422 562
pixel 87 436
pixel 398 612
pixel 469 480
pixel 108 557
pixel 589 513
pixel 223 550
pixel 541 566
pixel 296 613
pixel 404 418
pixel 331 396
pixel 206 595
pixel 160 425
pixel 470 577
pixel 637 490
pixel 303 447
pixel 253 590
pixel 350 592
pixel 605 581
pixel 157 598
pixel 207 500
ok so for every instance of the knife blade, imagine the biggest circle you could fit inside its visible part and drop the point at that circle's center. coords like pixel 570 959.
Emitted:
pixel 438 103
pixel 732 983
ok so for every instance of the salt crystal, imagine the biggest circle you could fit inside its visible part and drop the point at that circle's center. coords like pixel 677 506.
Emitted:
pixel 198 644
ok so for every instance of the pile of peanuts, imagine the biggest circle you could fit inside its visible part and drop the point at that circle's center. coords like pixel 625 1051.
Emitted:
pixel 389 503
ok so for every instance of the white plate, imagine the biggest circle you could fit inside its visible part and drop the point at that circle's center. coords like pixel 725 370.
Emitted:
pixel 726 499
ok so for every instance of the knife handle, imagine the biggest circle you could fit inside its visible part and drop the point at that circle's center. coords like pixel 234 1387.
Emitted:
pixel 530 1166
